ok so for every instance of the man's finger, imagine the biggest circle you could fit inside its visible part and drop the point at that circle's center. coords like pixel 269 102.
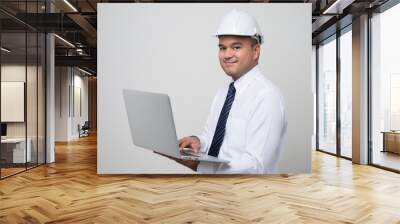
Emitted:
pixel 182 140
pixel 196 150
pixel 184 144
pixel 194 145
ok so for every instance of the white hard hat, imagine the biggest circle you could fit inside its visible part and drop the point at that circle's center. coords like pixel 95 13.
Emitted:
pixel 239 23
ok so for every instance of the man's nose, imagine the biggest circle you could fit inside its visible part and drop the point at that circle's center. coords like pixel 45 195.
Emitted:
pixel 228 53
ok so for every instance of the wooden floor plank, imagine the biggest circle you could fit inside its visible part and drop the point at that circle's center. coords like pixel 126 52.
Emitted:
pixel 70 191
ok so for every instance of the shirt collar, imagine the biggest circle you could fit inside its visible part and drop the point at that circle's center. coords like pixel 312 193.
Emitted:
pixel 241 83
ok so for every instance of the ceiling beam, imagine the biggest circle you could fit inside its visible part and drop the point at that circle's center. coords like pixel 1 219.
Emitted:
pixel 84 61
pixel 83 23
pixel 337 7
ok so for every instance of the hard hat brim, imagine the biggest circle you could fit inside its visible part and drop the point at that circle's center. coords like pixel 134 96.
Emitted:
pixel 259 38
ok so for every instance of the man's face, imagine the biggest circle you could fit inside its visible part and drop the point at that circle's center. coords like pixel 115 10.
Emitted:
pixel 237 55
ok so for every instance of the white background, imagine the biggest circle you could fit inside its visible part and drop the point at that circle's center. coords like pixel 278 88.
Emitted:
pixel 170 48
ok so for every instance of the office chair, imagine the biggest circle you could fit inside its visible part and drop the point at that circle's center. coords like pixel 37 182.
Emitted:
pixel 84 130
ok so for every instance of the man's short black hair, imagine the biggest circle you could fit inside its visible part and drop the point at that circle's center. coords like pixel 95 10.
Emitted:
pixel 257 39
pixel 254 41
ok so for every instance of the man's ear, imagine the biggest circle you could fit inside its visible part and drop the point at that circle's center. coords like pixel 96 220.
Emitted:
pixel 256 50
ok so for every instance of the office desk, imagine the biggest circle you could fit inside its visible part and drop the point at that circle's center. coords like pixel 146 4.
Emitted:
pixel 13 150
pixel 391 141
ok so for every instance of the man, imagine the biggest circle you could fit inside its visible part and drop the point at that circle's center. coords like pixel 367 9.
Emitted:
pixel 247 122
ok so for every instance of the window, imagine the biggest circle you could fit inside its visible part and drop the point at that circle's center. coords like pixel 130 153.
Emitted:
pixel 327 96
pixel 346 93
pixel 385 89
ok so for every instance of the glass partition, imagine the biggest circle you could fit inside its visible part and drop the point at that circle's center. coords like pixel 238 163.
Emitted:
pixel 22 63
pixel 327 96
pixel 13 94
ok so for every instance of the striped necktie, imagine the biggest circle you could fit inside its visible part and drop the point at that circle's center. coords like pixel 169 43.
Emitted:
pixel 220 129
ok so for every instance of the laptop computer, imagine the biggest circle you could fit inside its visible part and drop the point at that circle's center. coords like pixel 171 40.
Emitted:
pixel 152 125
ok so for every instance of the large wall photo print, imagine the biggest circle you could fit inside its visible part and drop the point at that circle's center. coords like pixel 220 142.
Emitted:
pixel 204 88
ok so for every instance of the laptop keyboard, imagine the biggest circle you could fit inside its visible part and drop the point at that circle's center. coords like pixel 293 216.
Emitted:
pixel 189 153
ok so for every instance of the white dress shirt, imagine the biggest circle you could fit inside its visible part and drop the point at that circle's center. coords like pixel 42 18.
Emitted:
pixel 254 130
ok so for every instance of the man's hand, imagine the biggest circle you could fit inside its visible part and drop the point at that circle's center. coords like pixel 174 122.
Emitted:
pixel 191 142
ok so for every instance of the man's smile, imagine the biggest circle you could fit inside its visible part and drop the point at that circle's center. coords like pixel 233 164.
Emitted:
pixel 229 63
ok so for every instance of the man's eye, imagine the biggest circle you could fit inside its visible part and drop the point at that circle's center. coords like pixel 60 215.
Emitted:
pixel 222 48
pixel 236 47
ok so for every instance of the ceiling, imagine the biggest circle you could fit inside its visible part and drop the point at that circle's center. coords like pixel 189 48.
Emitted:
pixel 76 22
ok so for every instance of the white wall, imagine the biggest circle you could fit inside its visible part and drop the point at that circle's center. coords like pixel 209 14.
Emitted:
pixel 61 103
pixel 169 48
pixel 313 87
pixel 79 117
pixel 67 81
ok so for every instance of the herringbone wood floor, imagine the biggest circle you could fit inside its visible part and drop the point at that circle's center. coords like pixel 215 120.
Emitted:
pixel 70 191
